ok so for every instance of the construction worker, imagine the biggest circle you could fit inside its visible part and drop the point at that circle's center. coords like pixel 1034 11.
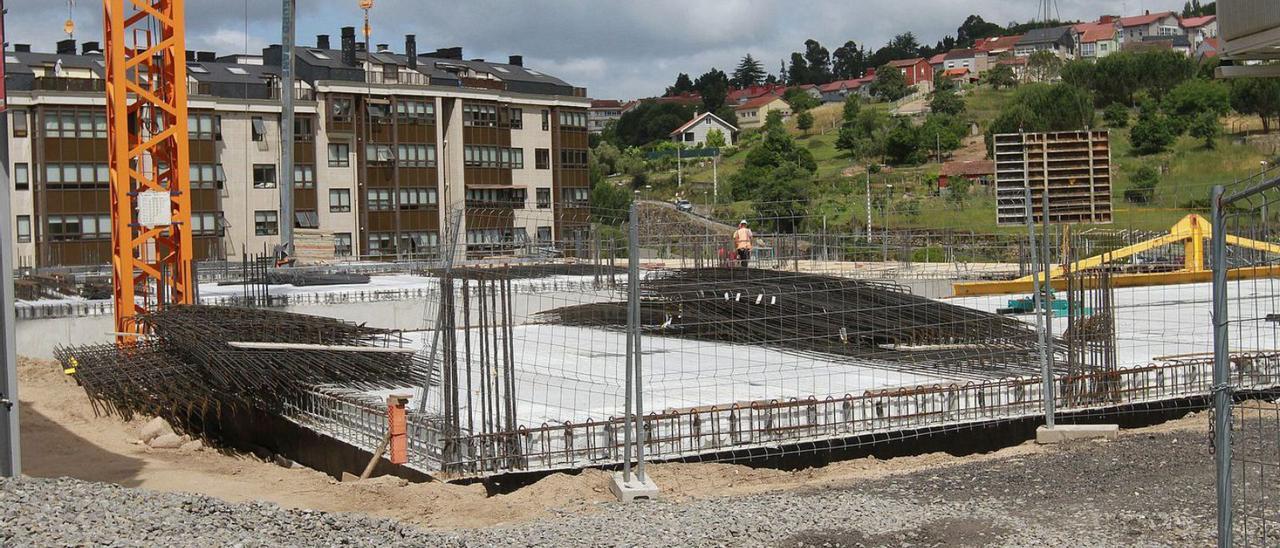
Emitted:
pixel 742 242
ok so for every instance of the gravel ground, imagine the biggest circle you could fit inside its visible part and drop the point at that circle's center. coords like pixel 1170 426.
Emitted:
pixel 1154 489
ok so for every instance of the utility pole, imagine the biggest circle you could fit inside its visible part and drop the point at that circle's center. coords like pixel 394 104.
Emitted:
pixel 868 204
pixel 10 448
pixel 286 128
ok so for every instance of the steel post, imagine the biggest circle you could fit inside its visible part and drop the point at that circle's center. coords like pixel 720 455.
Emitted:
pixel 1221 373
pixel 1046 367
pixel 1037 299
pixel 286 127
pixel 633 304
pixel 10 448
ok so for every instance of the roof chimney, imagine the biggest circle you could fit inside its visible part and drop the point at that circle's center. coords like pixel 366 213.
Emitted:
pixel 447 53
pixel 517 60
pixel 88 48
pixel 322 41
pixel 206 56
pixel 67 47
pixel 411 50
pixel 191 56
pixel 478 60
pixel 1146 12
pixel 349 46
pixel 384 48
pixel 361 47
pixel 22 48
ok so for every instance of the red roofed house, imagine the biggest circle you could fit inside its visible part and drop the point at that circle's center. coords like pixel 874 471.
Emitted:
pixel 917 72
pixel 936 62
pixel 1134 29
pixel 1199 29
pixel 741 95
pixel 1098 40
pixel 1210 47
pixel 981 171
pixel 997 45
pixel 974 60
pixel 694 132
pixel 752 113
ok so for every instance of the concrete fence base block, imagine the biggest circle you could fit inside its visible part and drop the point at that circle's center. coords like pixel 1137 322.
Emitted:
pixel 633 490
pixel 1071 432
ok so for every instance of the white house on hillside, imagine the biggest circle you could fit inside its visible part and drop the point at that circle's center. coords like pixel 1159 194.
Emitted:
pixel 694 132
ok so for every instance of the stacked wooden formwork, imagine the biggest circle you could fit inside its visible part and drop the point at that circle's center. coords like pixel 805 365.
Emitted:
pixel 1074 167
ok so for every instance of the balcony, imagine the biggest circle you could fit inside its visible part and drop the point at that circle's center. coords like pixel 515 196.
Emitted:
pixel 83 85
pixel 394 78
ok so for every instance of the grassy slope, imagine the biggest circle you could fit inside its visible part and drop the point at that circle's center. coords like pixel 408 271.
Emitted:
pixel 1190 171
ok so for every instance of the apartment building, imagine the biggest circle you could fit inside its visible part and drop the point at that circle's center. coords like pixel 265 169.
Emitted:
pixel 386 146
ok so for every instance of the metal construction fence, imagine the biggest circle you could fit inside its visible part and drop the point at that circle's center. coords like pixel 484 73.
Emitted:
pixel 1246 425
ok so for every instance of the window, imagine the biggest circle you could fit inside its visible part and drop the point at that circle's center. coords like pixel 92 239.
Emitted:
pixel 512 158
pixel 64 228
pixel 418 198
pixel 204 224
pixel 342 244
pixel 339 200
pixel 414 242
pixel 490 237
pixel 688 136
pixel 544 198
pixel 575 196
pixel 479 115
pixel 51 126
pixel 544 234
pixel 573 119
pixel 487 156
pixel 77 176
pixel 21 177
pixel 264 176
pixel 303 129
pixel 339 155
pixel 259 128
pixel 19 123
pixel 378 154
pixel 265 223
pixel 321 55
pixel 416 155
pixel 306 218
pixel 573 158
pixel 415 112
pixel 546 121
pixel 340 109
pixel 380 199
pixel 542 158
pixel 496 197
pixel 377 112
pixel 24 229
pixel 515 118
pixel 304 176
pixel 207 176
pixel 100 125
pixel 382 243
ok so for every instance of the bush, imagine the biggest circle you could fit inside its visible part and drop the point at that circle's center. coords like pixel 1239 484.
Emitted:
pixel 1116 116
pixel 1205 126
pixel 1142 185
pixel 1153 133
pixel 946 102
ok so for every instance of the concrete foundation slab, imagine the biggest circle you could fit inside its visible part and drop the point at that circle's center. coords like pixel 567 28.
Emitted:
pixel 633 490
pixel 1072 432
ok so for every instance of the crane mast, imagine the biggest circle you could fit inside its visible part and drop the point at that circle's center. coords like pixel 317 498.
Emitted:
pixel 148 158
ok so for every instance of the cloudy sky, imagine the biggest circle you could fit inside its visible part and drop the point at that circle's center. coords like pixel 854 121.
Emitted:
pixel 614 48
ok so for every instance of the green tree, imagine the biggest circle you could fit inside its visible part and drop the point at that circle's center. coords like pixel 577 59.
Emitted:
pixel 1142 186
pixel 848 61
pixel 804 121
pixel 1044 66
pixel 683 85
pixel 1078 73
pixel 973 28
pixel 713 86
pixel 781 201
pixel 1257 96
pixel 1043 107
pixel 1206 126
pixel 1000 76
pixel 1116 116
pixel 798 72
pixel 902 146
pixel 715 139
pixel 609 203
pixel 852 104
pixel 749 73
pixel 1195 96
pixel 800 100
pixel 890 84
pixel 946 102
pixel 1152 133
pixel 818 61
pixel 650 121
pixel 942 133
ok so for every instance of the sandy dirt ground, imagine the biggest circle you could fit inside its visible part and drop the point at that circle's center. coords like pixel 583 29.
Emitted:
pixel 62 436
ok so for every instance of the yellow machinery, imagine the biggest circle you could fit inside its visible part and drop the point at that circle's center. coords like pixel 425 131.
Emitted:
pixel 1191 232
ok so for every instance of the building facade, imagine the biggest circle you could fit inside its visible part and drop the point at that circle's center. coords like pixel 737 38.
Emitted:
pixel 694 132
pixel 385 146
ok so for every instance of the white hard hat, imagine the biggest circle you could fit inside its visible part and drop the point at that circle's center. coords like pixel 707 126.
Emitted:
pixel 742 222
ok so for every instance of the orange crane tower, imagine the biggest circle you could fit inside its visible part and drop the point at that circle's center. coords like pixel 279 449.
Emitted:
pixel 148 157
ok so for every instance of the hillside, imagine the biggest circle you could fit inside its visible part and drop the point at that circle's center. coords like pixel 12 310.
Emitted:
pixel 839 194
